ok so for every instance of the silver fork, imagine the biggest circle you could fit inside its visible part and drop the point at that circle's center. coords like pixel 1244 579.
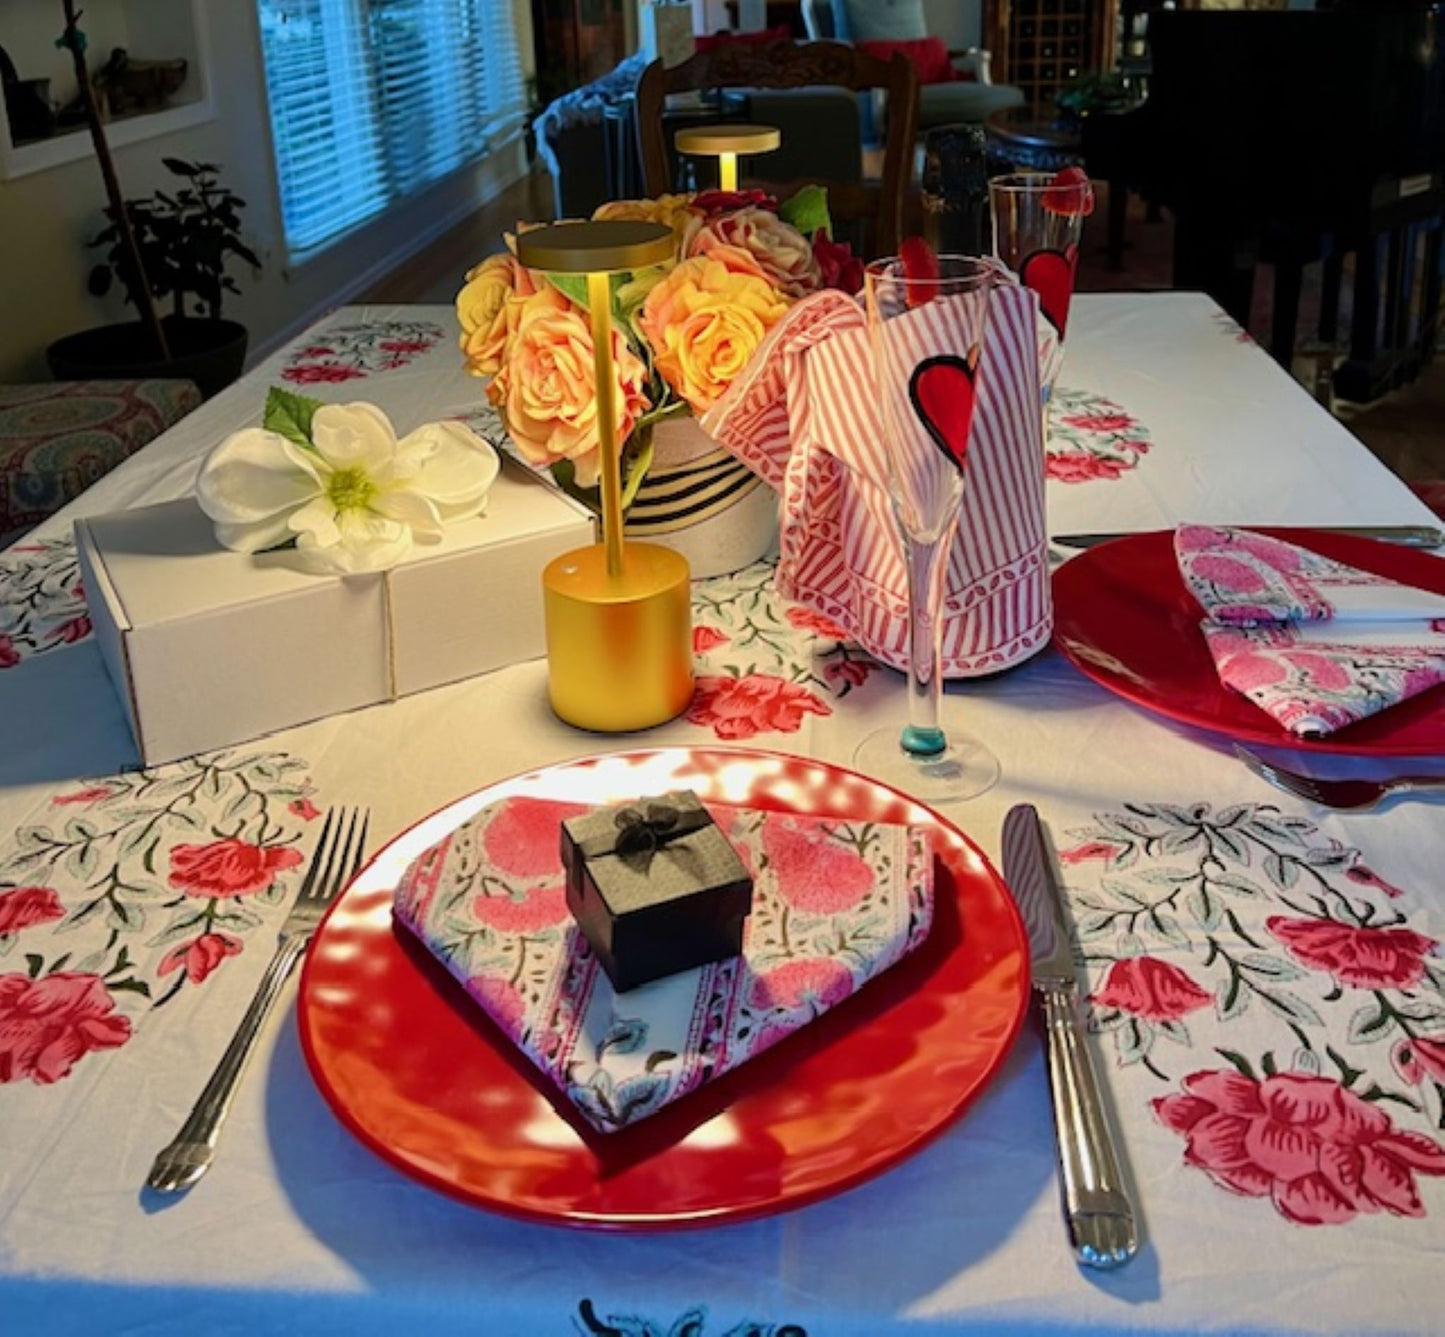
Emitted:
pixel 334 864
pixel 1342 794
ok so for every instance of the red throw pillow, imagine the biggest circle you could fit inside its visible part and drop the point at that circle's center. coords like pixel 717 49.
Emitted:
pixel 927 55
pixel 717 39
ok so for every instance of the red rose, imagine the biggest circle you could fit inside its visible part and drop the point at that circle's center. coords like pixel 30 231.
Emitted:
pixel 304 808
pixel 1093 849
pixel 1145 986
pixel 759 703
pixel 1100 422
pixel 314 372
pixel 1420 1057
pixel 1367 877
pixel 72 630
pixel 228 867
pixel 1079 466
pixel 853 672
pixel 27 906
pixel 93 794
pixel 707 638
pixel 404 346
pixel 841 268
pixel 724 201
pixel 1368 958
pixel 1318 1151
pixel 807 619
pixel 9 655
pixel 48 1025
pixel 200 956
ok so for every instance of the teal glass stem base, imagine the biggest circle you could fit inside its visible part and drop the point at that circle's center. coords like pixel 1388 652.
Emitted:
pixel 963 768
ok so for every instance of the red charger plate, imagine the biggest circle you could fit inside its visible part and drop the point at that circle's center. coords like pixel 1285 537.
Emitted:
pixel 1123 616
pixel 412 1067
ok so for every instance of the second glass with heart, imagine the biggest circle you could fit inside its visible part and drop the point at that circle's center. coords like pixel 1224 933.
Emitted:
pixel 926 332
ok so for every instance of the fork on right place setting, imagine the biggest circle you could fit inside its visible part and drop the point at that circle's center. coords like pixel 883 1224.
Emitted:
pixel 1342 794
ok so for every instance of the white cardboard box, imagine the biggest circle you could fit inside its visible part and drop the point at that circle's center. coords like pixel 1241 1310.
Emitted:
pixel 209 647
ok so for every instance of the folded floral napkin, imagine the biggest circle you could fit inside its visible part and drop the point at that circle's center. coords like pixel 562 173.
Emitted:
pixel 804 416
pixel 1315 643
pixel 834 904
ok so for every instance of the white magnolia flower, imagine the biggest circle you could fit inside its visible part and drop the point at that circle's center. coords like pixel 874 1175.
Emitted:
pixel 355 502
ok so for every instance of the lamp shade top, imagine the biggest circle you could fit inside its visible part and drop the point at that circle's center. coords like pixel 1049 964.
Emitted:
pixel 598 247
pixel 712 140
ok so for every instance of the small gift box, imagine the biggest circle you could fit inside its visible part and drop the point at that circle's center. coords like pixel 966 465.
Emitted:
pixel 655 887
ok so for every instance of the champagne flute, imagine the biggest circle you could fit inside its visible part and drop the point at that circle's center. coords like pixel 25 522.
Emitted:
pixel 925 335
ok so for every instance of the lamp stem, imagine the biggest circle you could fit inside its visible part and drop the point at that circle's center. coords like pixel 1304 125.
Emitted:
pixel 728 171
pixel 609 456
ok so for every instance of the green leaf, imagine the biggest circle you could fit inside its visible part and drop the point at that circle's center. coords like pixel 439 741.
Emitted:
pixel 1291 1007
pixel 1238 1060
pixel 573 287
pixel 34 964
pixel 808 211
pixel 635 469
pixel 1270 967
pixel 290 415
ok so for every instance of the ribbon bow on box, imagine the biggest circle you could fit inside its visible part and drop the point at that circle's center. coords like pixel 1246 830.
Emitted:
pixel 804 417
pixel 641 834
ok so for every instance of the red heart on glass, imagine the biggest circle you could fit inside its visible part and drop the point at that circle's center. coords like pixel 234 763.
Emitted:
pixel 942 391
pixel 1051 275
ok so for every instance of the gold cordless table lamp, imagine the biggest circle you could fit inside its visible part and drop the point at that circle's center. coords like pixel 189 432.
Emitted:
pixel 726 143
pixel 618 613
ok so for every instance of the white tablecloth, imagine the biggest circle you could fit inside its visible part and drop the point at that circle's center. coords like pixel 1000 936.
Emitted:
pixel 298 1227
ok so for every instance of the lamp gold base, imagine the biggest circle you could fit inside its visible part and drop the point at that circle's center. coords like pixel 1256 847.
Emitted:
pixel 619 648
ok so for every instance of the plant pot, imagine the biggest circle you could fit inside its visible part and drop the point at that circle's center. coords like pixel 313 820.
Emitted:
pixel 702 502
pixel 209 352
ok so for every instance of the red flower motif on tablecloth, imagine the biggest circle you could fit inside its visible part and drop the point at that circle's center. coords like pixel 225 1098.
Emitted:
pixel 1419 1057
pixel 1366 958
pixel 501 1001
pixel 9 656
pixel 1099 422
pixel 808 619
pixel 1315 1149
pixel 200 956
pixel 1151 988
pixel 1367 877
pixel 536 910
pixel 852 672
pixel 305 809
pixel 1080 467
pixel 412 346
pixel 316 373
pixel 707 638
pixel 24 907
pixel 1091 849
pixel 758 703
pixel 229 868
pixel 316 350
pixel 48 1025
pixel 522 840
pixel 71 630
pixel 817 982
pixel 1090 437
pixel 91 794
pixel 815 874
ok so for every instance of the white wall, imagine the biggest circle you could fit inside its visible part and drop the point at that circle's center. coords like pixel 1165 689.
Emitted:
pixel 46 217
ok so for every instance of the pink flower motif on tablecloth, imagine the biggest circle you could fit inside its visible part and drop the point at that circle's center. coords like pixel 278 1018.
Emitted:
pixel 9 656
pixel 758 703
pixel 815 874
pixel 1315 1149
pixel 1319 671
pixel 813 982
pixel 1229 574
pixel 318 373
pixel 200 956
pixel 501 1001
pixel 522 840
pixel 808 619
pixel 1365 958
pixel 1080 467
pixel 1090 849
pixel 71 630
pixel 1248 672
pixel 412 346
pixel 1367 877
pixel 853 672
pixel 90 794
pixel 1151 988
pixel 48 1025
pixel 305 809
pixel 707 638
pixel 229 868
pixel 532 912
pixel 1099 422
pixel 1419 1057
pixel 24 907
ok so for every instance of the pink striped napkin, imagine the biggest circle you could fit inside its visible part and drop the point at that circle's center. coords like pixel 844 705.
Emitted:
pixel 804 417
pixel 1316 644
pixel 834 904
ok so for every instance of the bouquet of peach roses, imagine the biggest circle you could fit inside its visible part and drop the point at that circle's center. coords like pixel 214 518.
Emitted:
pixel 683 331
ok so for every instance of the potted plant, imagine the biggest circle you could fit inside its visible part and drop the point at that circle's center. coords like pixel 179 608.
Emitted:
pixel 172 245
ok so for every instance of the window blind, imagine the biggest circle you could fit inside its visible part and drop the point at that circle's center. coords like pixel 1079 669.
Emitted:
pixel 372 100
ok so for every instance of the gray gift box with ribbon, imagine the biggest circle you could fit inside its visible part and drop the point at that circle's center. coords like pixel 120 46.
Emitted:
pixel 655 887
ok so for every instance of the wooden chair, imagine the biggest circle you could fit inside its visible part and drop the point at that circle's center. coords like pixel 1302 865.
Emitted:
pixel 877 208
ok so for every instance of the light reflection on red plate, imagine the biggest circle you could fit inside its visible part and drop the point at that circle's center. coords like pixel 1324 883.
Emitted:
pixel 415 1070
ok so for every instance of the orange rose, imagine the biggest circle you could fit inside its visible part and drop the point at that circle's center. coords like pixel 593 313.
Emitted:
pixel 674 211
pixel 487 309
pixel 706 319
pixel 784 254
pixel 545 388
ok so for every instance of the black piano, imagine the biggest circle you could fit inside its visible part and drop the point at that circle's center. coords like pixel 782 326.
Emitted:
pixel 1292 137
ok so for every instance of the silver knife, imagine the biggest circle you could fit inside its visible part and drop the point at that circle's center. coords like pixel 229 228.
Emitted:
pixel 1406 536
pixel 1097 1208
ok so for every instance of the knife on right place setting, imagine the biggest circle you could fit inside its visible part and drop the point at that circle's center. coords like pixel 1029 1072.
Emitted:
pixel 1097 1208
